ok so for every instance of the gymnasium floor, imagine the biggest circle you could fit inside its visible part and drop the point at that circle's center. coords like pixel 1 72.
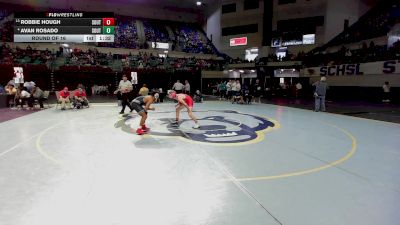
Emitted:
pixel 247 165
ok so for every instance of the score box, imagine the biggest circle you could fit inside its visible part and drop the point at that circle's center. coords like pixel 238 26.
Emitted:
pixel 108 30
pixel 108 22
pixel 104 38
pixel 89 38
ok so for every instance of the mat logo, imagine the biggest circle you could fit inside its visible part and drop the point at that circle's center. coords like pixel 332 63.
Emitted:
pixel 219 127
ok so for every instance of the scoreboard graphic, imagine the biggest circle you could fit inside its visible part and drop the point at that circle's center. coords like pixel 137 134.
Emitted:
pixel 75 27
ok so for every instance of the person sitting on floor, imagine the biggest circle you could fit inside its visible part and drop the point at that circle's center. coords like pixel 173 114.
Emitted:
pixel 11 91
pixel 198 97
pixel 64 97
pixel 247 97
pixel 80 99
pixel 157 97
pixel 237 97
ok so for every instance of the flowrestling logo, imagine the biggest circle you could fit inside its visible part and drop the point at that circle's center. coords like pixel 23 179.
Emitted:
pixel 218 127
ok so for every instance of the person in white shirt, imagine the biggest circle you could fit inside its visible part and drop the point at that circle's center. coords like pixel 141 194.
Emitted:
pixel 178 87
pixel 125 88
pixel 187 87
pixel 23 96
pixel 236 87
pixel 386 92
pixel 233 87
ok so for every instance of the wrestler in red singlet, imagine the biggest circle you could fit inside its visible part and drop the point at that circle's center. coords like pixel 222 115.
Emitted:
pixel 184 101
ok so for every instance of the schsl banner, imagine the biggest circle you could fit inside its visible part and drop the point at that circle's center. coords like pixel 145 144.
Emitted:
pixel 373 68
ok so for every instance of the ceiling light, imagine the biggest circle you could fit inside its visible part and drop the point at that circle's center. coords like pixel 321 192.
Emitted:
pixel 198 3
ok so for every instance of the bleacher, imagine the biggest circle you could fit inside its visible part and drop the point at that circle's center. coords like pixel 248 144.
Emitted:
pixel 190 53
pixel 356 43
pixel 125 34
pixel 375 23
pixel 155 32
pixel 191 40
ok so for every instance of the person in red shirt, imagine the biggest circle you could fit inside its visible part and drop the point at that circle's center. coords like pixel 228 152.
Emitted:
pixel 184 101
pixel 63 97
pixel 80 99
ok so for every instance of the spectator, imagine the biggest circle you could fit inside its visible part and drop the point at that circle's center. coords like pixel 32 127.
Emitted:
pixel 237 87
pixel 198 97
pixel 10 89
pixel 38 95
pixel 222 90
pixel 298 89
pixel 229 89
pixel 320 92
pixel 257 91
pixel 162 94
pixel 144 91
pixel 237 97
pixel 29 86
pixel 80 98
pixel 81 86
pixel 283 86
pixel 110 88
pixel 156 97
pixel 246 96
pixel 64 97
pixel 22 97
pixel 18 98
pixel 178 87
pixel 348 53
pixel 386 92
pixel 187 87
pixel 11 82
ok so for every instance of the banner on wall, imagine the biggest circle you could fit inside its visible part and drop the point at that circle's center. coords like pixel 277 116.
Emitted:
pixel 373 68
pixel 238 41
pixel 18 75
pixel 160 45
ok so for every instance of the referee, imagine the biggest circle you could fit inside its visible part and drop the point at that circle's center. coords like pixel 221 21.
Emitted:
pixel 178 87
pixel 125 87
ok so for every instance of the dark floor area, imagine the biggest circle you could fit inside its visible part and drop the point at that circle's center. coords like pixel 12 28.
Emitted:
pixel 377 111
pixel 9 114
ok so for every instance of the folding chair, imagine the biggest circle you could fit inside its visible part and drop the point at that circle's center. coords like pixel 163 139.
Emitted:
pixel 58 99
pixel 46 98
pixel 11 102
